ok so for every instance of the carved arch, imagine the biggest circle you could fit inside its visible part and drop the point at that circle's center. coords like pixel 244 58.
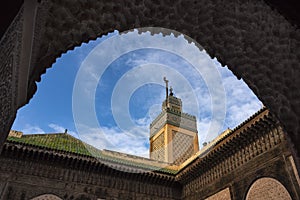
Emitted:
pixel 253 40
pixel 47 197
pixel 267 189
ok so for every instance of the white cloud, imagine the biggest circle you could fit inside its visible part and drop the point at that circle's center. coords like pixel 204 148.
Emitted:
pixel 118 140
pixel 32 129
pixel 241 101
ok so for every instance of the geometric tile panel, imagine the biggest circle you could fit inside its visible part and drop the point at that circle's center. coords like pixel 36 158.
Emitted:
pixel 183 147
pixel 158 148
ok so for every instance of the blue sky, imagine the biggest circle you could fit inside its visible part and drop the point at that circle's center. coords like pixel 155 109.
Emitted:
pixel 108 91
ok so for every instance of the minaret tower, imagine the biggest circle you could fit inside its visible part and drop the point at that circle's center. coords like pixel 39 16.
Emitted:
pixel 173 134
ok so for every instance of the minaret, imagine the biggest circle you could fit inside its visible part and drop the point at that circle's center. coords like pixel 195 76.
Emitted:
pixel 173 134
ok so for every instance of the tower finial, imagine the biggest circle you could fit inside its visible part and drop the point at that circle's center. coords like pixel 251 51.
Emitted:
pixel 171 91
pixel 166 81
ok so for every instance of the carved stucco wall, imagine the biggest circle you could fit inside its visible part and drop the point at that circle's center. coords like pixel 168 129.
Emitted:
pixel 264 152
pixel 10 45
pixel 24 179
pixel 253 40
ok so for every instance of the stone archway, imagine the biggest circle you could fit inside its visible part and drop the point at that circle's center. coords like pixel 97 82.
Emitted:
pixel 254 41
pixel 267 189
pixel 47 197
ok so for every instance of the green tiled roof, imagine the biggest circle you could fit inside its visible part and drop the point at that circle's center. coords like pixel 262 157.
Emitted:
pixel 67 143
pixel 57 141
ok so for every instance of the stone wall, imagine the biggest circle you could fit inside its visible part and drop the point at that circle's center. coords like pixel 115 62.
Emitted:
pixel 264 154
pixel 24 179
